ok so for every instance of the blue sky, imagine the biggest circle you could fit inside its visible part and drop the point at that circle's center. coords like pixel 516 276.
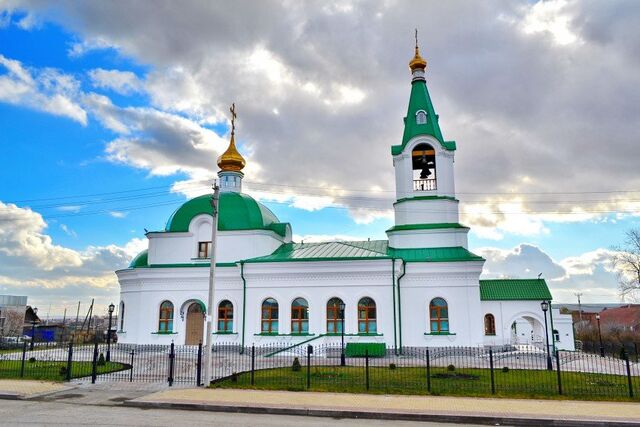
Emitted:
pixel 110 122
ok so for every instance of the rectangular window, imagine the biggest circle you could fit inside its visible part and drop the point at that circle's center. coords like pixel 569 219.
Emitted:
pixel 204 249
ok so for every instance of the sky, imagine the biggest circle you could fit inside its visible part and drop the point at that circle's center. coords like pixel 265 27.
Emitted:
pixel 112 114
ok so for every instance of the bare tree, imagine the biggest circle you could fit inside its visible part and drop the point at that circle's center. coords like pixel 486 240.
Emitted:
pixel 626 260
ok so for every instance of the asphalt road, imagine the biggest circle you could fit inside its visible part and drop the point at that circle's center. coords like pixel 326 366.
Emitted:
pixel 36 413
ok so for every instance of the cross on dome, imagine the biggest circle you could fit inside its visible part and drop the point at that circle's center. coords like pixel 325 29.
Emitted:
pixel 231 160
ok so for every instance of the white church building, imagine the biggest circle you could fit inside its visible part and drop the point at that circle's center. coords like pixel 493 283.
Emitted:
pixel 421 287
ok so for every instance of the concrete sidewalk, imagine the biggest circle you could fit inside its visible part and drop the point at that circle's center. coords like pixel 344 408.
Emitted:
pixel 27 389
pixel 417 408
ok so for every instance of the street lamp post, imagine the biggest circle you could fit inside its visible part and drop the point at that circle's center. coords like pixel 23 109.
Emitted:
pixel 600 335
pixel 111 309
pixel 33 327
pixel 545 306
pixel 342 357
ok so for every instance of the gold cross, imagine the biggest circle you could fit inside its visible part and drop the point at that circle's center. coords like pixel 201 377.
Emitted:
pixel 233 117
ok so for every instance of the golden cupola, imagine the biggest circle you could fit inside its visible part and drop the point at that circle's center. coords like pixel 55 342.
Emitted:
pixel 231 160
pixel 417 63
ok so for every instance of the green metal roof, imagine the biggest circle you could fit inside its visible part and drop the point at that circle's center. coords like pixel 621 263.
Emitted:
pixel 326 251
pixel 514 289
pixel 237 212
pixel 436 226
pixel 363 250
pixel 420 100
pixel 453 254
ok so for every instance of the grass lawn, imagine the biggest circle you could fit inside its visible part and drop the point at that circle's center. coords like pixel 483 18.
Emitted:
pixel 463 382
pixel 53 371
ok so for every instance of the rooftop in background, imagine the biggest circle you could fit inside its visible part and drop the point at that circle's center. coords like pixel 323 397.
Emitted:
pixel 13 300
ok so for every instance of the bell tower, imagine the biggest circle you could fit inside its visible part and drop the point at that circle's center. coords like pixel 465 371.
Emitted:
pixel 231 162
pixel 426 209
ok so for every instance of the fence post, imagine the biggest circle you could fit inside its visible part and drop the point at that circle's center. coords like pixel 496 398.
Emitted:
pixel 94 363
pixel 253 363
pixel 558 371
pixel 309 351
pixel 172 356
pixel 131 370
pixel 635 346
pixel 366 369
pixel 428 373
pixel 626 361
pixel 69 361
pixel 493 381
pixel 24 355
pixel 199 366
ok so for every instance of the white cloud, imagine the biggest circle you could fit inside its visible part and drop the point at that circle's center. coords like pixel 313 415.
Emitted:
pixel 551 17
pixel 32 264
pixel 590 273
pixel 315 238
pixel 44 90
pixel 122 82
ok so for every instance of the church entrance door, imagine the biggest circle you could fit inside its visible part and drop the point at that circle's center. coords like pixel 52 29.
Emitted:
pixel 195 324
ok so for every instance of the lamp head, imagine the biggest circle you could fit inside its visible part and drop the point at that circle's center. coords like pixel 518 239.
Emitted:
pixel 341 305
pixel 35 310
pixel 111 308
pixel 597 316
pixel 544 305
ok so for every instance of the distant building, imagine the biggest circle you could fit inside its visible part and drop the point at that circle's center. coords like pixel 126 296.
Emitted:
pixel 626 318
pixel 12 312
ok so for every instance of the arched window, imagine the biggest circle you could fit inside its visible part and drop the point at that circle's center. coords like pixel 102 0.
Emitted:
pixel 165 323
pixel 299 316
pixel 421 117
pixel 335 316
pixel 367 316
pixel 270 316
pixel 225 316
pixel 121 314
pixel 489 324
pixel 439 315
pixel 423 159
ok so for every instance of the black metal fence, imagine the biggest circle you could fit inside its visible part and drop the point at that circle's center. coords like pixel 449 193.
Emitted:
pixel 632 349
pixel 471 371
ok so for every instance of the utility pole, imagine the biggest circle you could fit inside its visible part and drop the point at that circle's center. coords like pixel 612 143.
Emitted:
pixel 212 276
pixel 579 294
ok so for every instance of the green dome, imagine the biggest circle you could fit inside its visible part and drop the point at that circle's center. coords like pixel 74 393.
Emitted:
pixel 237 212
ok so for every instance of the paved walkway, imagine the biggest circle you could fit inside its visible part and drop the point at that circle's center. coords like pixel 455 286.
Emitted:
pixel 503 411
pixel 25 389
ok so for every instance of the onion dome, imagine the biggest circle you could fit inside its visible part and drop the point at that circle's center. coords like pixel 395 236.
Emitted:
pixel 418 62
pixel 231 160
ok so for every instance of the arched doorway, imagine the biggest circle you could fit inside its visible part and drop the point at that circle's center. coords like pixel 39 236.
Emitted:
pixel 195 324
pixel 526 329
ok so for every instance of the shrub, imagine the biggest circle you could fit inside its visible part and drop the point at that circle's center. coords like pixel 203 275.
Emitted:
pixel 505 369
pixel 101 361
pixel 234 377
pixel 32 360
pixel 296 366
pixel 451 368
pixel 63 371
pixel 392 366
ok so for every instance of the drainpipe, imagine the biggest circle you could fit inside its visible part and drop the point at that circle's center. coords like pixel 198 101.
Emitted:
pixel 404 271
pixel 393 293
pixel 244 300
pixel 553 337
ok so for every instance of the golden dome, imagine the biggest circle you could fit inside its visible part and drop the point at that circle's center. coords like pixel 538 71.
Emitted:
pixel 418 62
pixel 231 160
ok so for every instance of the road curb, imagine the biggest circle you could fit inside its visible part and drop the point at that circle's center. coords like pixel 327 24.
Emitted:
pixel 10 396
pixel 394 416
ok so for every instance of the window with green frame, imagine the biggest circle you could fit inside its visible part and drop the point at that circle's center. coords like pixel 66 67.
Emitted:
pixel 165 322
pixel 300 316
pixel 439 315
pixel 367 316
pixel 269 316
pixel 225 316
